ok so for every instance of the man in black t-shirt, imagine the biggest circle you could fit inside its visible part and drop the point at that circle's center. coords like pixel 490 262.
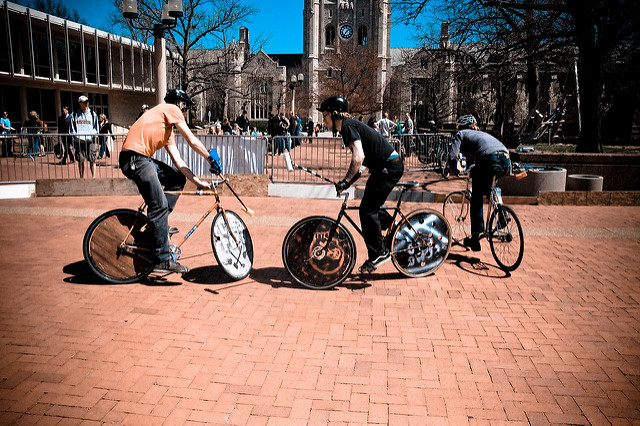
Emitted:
pixel 369 149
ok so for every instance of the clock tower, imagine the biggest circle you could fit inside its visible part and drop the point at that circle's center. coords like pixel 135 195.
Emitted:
pixel 329 24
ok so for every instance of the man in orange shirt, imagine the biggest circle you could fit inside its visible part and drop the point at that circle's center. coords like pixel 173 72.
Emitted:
pixel 153 131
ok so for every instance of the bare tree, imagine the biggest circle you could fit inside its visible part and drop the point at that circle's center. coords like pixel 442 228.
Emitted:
pixel 206 25
pixel 351 73
pixel 57 8
pixel 532 32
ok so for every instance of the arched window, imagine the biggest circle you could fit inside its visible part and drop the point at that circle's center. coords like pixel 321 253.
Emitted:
pixel 330 35
pixel 362 35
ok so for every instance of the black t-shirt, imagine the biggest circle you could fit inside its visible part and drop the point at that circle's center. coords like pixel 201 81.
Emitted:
pixel 376 148
pixel 243 123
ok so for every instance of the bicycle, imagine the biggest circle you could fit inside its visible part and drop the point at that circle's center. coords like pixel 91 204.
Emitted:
pixel 503 228
pixel 319 252
pixel 434 151
pixel 119 251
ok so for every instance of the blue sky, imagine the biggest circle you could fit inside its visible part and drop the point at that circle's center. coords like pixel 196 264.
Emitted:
pixel 282 23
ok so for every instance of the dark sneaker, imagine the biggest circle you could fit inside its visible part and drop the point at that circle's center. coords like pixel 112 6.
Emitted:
pixel 173 230
pixel 383 257
pixel 367 267
pixel 372 264
pixel 472 243
pixel 170 266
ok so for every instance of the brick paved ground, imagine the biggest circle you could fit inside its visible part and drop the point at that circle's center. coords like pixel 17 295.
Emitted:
pixel 556 342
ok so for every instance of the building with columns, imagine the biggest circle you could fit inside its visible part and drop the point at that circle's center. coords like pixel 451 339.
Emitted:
pixel 47 62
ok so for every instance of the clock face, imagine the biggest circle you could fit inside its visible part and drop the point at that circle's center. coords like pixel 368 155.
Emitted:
pixel 346 31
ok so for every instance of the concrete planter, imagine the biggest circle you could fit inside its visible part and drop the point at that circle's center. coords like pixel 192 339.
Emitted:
pixel 584 183
pixel 544 179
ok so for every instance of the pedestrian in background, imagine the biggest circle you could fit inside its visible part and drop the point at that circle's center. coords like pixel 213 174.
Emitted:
pixel 5 129
pixel 85 129
pixel 64 122
pixel 106 140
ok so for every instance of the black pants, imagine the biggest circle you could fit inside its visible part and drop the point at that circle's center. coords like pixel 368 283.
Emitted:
pixel 377 189
pixel 150 176
pixel 486 167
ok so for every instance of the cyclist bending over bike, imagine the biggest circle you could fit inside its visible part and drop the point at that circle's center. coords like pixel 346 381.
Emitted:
pixel 370 149
pixel 152 131
pixel 491 159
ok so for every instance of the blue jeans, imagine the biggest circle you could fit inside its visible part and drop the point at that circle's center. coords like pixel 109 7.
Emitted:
pixel 103 147
pixel 150 176
pixel 377 189
pixel 486 167
pixel 281 144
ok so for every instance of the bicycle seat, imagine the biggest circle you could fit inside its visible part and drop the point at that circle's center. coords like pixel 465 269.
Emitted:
pixel 408 185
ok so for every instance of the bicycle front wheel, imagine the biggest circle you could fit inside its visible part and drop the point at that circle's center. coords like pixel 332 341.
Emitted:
pixel 420 243
pixel 234 255
pixel 313 260
pixel 506 238
pixel 456 209
pixel 110 256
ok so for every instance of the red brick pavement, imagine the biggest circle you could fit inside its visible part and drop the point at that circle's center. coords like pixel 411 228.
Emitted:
pixel 557 341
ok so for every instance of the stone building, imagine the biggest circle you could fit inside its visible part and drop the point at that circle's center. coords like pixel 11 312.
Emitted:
pixel 330 24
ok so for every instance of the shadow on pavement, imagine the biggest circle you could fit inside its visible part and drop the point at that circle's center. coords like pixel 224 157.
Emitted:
pixel 476 266
pixel 80 273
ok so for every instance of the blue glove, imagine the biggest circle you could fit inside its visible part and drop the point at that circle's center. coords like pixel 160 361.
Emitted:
pixel 214 162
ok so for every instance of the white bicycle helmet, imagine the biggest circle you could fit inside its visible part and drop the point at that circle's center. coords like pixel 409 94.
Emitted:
pixel 466 120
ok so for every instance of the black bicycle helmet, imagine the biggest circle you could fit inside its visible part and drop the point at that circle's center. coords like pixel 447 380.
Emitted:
pixel 176 96
pixel 334 104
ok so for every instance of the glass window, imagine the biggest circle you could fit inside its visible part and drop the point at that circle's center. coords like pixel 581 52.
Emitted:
pixel 61 59
pixel 75 53
pixel 362 35
pixel 99 102
pixel 41 55
pixel 5 65
pixel 330 35
pixel 90 58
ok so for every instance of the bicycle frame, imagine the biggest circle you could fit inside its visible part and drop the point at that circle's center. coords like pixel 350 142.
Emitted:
pixel 343 213
pixel 495 200
pixel 217 206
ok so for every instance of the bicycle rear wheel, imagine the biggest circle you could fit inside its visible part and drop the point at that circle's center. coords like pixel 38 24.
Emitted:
pixel 105 254
pixel 313 261
pixel 457 213
pixel 235 256
pixel 421 243
pixel 506 238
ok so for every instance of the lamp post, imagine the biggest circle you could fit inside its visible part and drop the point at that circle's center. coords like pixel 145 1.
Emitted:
pixel 295 82
pixel 171 10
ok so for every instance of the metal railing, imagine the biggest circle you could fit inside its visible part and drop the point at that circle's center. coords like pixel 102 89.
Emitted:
pixel 327 156
pixel 25 161
pixel 239 155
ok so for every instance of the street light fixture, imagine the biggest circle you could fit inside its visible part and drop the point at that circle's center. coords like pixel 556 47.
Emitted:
pixel 295 82
pixel 171 10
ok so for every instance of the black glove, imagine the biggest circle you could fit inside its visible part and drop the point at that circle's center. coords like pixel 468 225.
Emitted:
pixel 341 186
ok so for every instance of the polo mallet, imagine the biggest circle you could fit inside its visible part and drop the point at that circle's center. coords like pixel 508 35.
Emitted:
pixel 289 160
pixel 244 207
